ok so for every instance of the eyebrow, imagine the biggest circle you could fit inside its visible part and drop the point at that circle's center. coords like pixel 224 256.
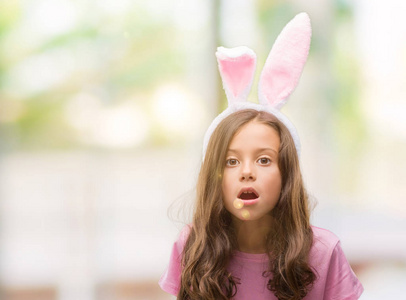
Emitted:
pixel 257 150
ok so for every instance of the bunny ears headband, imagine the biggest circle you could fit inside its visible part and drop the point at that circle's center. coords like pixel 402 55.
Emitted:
pixel 279 76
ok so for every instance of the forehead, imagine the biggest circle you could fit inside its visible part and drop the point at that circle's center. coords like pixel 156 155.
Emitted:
pixel 255 135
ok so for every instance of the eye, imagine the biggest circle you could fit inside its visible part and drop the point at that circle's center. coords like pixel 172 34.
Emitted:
pixel 231 162
pixel 264 161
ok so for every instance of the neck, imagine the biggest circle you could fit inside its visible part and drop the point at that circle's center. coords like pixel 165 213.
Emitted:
pixel 252 235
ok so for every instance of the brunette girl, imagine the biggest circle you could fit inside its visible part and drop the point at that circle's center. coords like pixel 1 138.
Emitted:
pixel 251 236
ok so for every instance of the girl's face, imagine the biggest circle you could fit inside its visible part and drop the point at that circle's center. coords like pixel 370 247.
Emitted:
pixel 252 181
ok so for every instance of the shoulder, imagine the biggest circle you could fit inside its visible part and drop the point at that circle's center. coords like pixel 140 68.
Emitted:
pixel 182 237
pixel 184 234
pixel 336 279
pixel 170 280
pixel 324 237
pixel 324 244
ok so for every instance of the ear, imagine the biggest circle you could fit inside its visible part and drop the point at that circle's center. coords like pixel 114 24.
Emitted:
pixel 237 67
pixel 285 62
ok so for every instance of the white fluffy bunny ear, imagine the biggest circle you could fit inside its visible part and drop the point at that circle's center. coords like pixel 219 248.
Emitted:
pixel 237 67
pixel 285 62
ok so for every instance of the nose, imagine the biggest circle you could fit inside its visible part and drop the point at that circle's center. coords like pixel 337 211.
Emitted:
pixel 247 173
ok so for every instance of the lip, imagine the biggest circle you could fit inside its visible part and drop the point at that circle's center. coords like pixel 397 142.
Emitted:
pixel 248 189
pixel 248 202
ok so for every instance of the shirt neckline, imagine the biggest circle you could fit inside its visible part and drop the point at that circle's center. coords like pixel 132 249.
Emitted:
pixel 251 256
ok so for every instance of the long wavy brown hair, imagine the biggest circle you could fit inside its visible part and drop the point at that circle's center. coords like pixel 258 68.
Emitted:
pixel 212 239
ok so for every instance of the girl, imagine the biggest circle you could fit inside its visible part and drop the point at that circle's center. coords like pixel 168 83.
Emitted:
pixel 251 237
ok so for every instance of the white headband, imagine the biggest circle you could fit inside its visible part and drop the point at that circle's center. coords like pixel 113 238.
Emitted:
pixel 279 76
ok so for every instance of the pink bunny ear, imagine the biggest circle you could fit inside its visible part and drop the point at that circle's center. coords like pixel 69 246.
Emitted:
pixel 236 66
pixel 285 62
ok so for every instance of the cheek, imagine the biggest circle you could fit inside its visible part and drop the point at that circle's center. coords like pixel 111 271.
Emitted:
pixel 279 188
pixel 275 183
pixel 277 179
pixel 227 188
pixel 225 184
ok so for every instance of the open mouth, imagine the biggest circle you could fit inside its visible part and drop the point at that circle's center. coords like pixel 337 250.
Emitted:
pixel 248 194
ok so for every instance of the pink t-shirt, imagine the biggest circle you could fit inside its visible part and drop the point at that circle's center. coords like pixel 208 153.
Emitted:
pixel 335 278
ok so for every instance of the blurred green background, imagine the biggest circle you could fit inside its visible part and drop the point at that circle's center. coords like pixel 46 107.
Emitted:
pixel 103 108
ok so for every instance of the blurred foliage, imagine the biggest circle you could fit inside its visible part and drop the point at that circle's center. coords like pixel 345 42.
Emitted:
pixel 112 56
pixel 349 124
pixel 271 15
pixel 9 15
